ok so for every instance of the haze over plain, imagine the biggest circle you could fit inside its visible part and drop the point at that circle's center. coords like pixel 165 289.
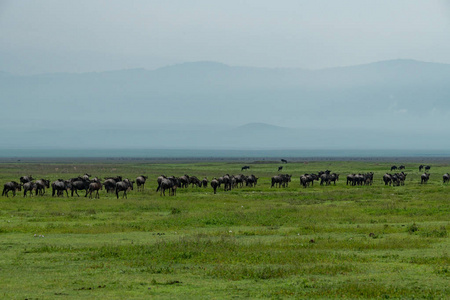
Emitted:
pixel 235 75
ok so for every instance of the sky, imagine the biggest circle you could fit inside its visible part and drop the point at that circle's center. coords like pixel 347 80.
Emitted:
pixel 99 35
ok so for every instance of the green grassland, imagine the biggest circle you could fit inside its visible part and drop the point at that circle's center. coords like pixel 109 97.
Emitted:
pixel 320 242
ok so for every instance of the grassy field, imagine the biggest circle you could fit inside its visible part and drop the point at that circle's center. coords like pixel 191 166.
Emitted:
pixel 320 242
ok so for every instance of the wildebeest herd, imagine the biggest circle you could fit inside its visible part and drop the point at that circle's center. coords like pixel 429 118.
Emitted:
pixel 92 185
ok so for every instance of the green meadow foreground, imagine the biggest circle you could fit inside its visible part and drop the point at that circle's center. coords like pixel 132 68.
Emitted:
pixel 320 242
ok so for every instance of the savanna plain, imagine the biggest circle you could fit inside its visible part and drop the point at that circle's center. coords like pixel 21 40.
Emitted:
pixel 336 241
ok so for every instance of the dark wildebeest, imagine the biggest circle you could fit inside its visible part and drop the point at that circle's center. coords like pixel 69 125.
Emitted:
pixel 184 181
pixel 193 180
pixel 280 168
pixel 245 168
pixel 96 186
pixel 86 176
pixel 110 185
pixel 29 187
pixel 227 182
pixel 41 184
pixel 251 180
pixel 170 183
pixel 393 168
pixel 306 179
pixel 239 180
pixel 387 178
pixel 402 167
pixel 140 181
pixel 421 167
pixel 25 179
pixel 284 161
pixel 11 186
pixel 123 186
pixel 281 180
pixel 427 168
pixel 424 178
pixel 214 184
pixel 59 186
pixel 446 178
pixel 159 180
pixel 205 182
pixel 80 184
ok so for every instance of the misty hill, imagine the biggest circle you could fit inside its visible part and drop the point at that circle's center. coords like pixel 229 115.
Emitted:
pixel 206 103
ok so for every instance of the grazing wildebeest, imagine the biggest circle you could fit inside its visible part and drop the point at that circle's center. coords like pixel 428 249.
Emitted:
pixel 140 181
pixel 159 180
pixel 94 185
pixel 123 186
pixel 424 178
pixel 86 176
pixel 280 168
pixel 184 181
pixel 25 179
pixel 284 161
pixel 170 183
pixel 11 186
pixel 427 168
pixel 29 187
pixel 251 180
pixel 80 184
pixel 306 179
pixel 239 180
pixel 41 184
pixel 402 167
pixel 215 184
pixel 193 180
pixel 281 180
pixel 393 168
pixel 110 185
pixel 387 178
pixel 421 167
pixel 205 182
pixel 446 178
pixel 59 186
pixel 245 168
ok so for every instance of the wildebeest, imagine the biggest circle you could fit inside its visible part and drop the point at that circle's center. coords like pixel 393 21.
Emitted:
pixel 446 178
pixel 169 183
pixel 427 168
pixel 25 179
pixel 86 176
pixel 110 185
pixel 205 182
pixel 41 184
pixel 193 180
pixel 11 186
pixel 29 186
pixel 184 181
pixel 159 180
pixel 59 186
pixel 393 168
pixel 94 185
pixel 402 167
pixel 424 178
pixel 123 186
pixel 307 179
pixel 280 168
pixel 281 180
pixel 245 168
pixel 284 161
pixel 79 184
pixel 140 181
pixel 215 184
pixel 421 167
pixel 387 178
pixel 251 180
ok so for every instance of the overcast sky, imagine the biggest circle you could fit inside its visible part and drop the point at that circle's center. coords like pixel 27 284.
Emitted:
pixel 97 35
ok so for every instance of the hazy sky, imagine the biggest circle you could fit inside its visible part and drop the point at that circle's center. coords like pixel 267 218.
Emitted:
pixel 96 35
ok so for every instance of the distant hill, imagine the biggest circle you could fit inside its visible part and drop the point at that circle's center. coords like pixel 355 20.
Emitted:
pixel 397 102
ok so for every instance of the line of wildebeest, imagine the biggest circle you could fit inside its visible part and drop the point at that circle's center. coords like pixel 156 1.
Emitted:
pixel 117 184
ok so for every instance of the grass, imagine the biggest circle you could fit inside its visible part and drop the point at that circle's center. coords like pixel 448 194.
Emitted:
pixel 320 242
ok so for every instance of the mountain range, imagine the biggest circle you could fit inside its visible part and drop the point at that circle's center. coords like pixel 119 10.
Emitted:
pixel 397 104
